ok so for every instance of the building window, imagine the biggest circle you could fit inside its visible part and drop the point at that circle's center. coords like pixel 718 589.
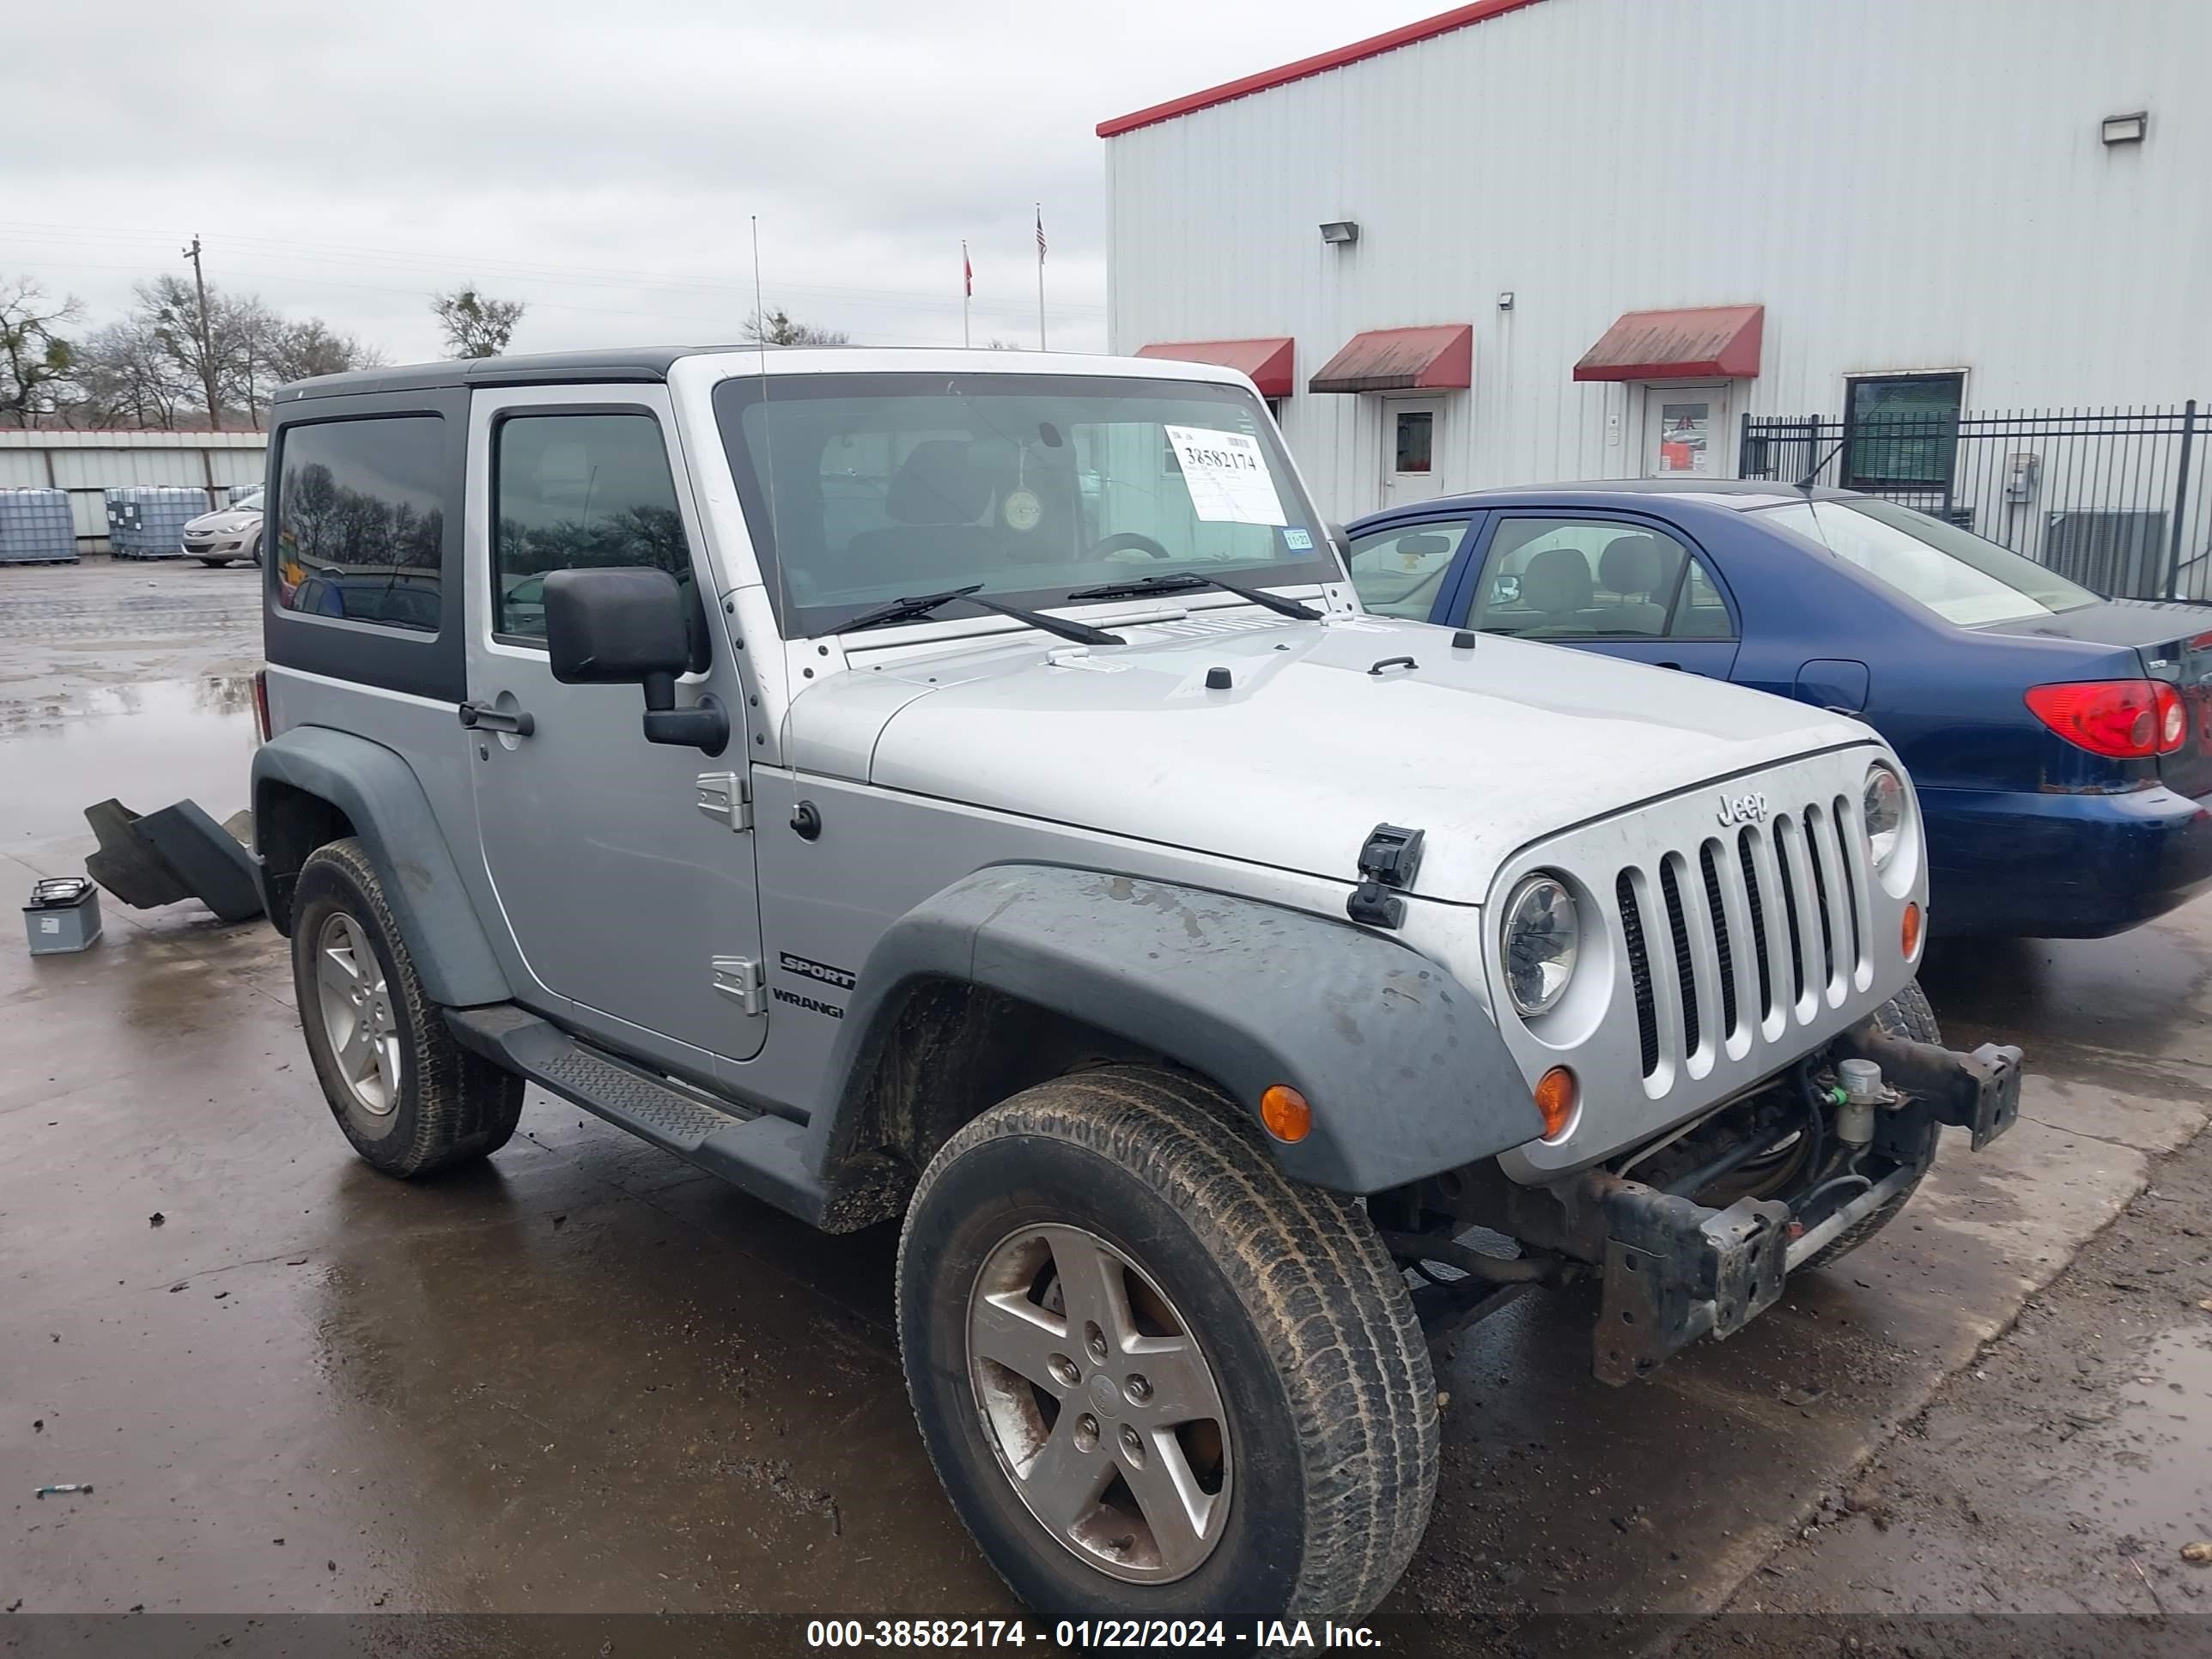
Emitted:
pixel 1416 439
pixel 1901 431
pixel 1274 409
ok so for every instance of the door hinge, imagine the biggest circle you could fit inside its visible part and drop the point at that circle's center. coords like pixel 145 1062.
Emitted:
pixel 725 797
pixel 743 982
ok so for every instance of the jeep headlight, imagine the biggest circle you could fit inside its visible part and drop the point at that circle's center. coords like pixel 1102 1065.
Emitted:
pixel 1882 809
pixel 1542 934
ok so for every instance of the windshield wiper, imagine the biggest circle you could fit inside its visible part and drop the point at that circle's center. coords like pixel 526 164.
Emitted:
pixel 914 609
pixel 1189 582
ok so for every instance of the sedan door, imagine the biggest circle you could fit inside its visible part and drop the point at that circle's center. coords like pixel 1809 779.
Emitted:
pixel 1622 585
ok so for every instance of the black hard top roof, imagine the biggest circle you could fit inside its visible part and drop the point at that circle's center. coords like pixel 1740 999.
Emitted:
pixel 616 365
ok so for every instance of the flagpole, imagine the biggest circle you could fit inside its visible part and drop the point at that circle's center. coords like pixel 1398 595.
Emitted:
pixel 1040 232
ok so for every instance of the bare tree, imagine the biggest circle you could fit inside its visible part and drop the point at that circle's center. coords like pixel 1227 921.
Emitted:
pixel 776 328
pixel 127 377
pixel 476 324
pixel 36 360
pixel 188 332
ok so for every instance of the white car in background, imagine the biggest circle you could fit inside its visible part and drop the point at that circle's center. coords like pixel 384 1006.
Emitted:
pixel 228 533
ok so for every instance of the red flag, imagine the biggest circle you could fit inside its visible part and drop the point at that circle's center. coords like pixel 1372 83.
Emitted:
pixel 967 271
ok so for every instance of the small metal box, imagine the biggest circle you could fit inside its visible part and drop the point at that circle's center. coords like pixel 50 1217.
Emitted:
pixel 63 916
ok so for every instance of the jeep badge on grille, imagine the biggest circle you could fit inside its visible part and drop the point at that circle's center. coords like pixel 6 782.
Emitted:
pixel 1743 809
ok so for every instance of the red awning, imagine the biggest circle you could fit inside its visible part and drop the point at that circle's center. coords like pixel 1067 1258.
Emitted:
pixel 1266 360
pixel 1401 359
pixel 1709 342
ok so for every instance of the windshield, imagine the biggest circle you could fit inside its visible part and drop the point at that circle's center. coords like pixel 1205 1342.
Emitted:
pixel 886 486
pixel 1953 572
pixel 249 502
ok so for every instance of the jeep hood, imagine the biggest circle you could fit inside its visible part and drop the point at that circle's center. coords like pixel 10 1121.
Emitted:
pixel 1319 738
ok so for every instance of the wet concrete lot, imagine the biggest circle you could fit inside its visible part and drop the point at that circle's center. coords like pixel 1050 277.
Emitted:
pixel 584 1378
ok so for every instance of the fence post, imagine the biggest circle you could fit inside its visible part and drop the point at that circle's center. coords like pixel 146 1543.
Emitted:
pixel 1743 444
pixel 2181 501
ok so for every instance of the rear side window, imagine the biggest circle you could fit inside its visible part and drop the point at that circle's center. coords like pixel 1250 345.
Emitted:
pixel 360 520
pixel 578 491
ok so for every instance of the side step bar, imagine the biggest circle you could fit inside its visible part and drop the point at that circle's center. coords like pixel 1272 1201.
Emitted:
pixel 762 1155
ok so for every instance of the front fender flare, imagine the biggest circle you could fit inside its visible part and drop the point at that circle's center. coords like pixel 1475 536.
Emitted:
pixel 383 800
pixel 1405 1069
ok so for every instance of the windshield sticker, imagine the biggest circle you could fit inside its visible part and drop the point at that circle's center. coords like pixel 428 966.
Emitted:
pixel 1227 476
pixel 1298 541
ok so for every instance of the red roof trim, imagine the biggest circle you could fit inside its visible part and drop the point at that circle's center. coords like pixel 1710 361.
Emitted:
pixel 1374 47
pixel 1266 360
pixel 1718 342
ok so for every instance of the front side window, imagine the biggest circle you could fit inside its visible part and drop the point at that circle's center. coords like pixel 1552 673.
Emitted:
pixel 1950 571
pixel 1397 572
pixel 862 488
pixel 1596 579
pixel 1901 430
pixel 361 516
pixel 577 491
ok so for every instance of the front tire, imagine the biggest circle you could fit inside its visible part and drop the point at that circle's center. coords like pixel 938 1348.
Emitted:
pixel 1158 1378
pixel 410 1099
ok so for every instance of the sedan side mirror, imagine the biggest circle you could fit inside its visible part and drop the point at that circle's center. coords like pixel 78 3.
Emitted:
pixel 630 626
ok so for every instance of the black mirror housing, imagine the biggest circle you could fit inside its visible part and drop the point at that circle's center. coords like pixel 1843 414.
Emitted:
pixel 632 625
pixel 622 626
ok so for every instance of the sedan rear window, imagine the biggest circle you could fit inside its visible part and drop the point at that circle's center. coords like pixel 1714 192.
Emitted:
pixel 1952 572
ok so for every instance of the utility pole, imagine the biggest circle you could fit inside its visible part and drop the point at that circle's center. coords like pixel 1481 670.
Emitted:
pixel 203 334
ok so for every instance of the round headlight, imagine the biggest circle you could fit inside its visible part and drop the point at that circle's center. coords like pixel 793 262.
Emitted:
pixel 1542 936
pixel 1884 810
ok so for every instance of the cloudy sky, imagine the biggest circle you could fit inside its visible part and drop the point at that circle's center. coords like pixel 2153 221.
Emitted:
pixel 603 162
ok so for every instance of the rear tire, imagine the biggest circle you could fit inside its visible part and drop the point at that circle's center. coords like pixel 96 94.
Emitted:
pixel 1290 1424
pixel 1907 1014
pixel 410 1099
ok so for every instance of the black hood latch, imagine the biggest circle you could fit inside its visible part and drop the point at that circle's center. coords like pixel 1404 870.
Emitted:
pixel 1391 858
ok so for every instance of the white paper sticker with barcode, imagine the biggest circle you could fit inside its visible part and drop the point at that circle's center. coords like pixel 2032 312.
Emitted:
pixel 1227 474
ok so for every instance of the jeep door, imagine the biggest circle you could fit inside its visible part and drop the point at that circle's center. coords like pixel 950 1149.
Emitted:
pixel 631 907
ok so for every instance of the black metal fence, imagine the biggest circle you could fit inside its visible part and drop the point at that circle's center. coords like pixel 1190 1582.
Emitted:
pixel 2115 498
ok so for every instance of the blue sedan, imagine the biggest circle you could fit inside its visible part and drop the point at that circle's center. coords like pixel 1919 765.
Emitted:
pixel 2060 742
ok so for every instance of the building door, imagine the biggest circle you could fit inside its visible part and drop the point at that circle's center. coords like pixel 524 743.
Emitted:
pixel 1412 450
pixel 1685 431
pixel 625 898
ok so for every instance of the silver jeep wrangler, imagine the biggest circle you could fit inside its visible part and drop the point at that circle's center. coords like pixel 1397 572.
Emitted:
pixel 962 790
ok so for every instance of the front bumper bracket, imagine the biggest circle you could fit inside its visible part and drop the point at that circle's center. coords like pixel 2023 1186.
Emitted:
pixel 1675 1270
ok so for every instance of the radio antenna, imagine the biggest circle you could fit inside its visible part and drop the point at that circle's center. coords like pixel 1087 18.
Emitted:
pixel 767 443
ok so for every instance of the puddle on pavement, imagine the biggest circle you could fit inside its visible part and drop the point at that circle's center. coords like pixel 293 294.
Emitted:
pixel 148 744
pixel 2157 1484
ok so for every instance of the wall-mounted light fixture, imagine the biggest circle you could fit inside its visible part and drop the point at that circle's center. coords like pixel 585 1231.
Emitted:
pixel 1341 232
pixel 2126 129
pixel 1505 299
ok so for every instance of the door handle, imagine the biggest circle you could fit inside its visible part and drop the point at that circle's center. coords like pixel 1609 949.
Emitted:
pixel 484 717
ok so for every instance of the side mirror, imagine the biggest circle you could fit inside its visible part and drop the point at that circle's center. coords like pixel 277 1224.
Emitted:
pixel 631 626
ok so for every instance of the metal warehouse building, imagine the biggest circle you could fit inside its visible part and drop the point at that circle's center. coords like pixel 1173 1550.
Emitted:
pixel 1536 240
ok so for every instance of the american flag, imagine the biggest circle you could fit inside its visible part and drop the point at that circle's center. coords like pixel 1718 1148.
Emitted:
pixel 966 270
pixel 1039 224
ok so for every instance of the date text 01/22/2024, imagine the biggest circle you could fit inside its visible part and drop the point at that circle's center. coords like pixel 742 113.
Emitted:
pixel 1274 1633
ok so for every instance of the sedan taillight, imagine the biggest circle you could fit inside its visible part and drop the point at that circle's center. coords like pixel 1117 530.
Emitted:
pixel 2126 720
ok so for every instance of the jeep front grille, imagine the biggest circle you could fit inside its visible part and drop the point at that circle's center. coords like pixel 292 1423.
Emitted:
pixel 1697 987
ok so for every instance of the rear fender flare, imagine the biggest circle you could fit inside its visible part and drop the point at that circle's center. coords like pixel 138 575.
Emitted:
pixel 1405 1069
pixel 384 802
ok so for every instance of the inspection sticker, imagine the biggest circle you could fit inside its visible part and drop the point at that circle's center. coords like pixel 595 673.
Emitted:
pixel 1227 476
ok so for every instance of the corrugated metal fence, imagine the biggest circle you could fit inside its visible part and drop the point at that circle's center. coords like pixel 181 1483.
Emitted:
pixel 88 464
